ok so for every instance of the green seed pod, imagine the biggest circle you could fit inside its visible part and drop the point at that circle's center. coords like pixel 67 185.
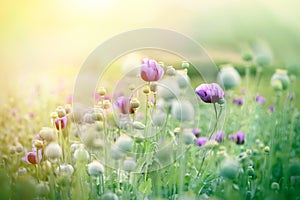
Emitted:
pixel 188 137
pixel 229 169
pixel 95 168
pixel 228 77
pixel 109 196
pixel 124 143
pixel 281 76
pixel 129 164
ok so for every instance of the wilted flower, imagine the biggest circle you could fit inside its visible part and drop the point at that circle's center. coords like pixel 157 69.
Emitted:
pixel 183 110
pixel 228 77
pixel 259 99
pixel 123 104
pixel 238 101
pixel 210 93
pixel 201 141
pixel 151 70
pixel 95 168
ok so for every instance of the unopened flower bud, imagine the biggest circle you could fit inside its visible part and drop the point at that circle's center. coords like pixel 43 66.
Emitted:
pixel 134 103
pixel 53 115
pixel 185 65
pixel 38 144
pixel 146 89
pixel 102 91
pixel 250 171
pixel 275 186
pixel 267 149
pixel 170 71
pixel 106 104
pixel 153 87
pixel 61 112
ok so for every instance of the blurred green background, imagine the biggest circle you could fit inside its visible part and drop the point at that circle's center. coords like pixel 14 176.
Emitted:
pixel 46 42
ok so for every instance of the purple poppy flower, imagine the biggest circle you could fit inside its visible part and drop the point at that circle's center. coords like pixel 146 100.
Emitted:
pixel 231 137
pixel 201 141
pixel 31 157
pixel 210 93
pixel 238 101
pixel 123 104
pixel 151 70
pixel 196 132
pixel 220 135
pixel 62 121
pixel 259 99
pixel 240 137
pixel 271 109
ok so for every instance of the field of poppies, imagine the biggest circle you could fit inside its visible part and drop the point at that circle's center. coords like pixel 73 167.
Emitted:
pixel 169 137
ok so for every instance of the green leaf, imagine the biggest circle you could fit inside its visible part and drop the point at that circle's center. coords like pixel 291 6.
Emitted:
pixel 146 187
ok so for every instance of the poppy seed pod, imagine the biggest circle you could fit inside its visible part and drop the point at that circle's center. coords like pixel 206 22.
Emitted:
pixel 124 143
pixel 229 169
pixel 228 77
pixel 129 164
pixel 95 168
pixel 65 170
pixel 53 151
pixel 183 110
pixel 109 196
pixel 282 77
pixel 188 137
pixel 47 134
